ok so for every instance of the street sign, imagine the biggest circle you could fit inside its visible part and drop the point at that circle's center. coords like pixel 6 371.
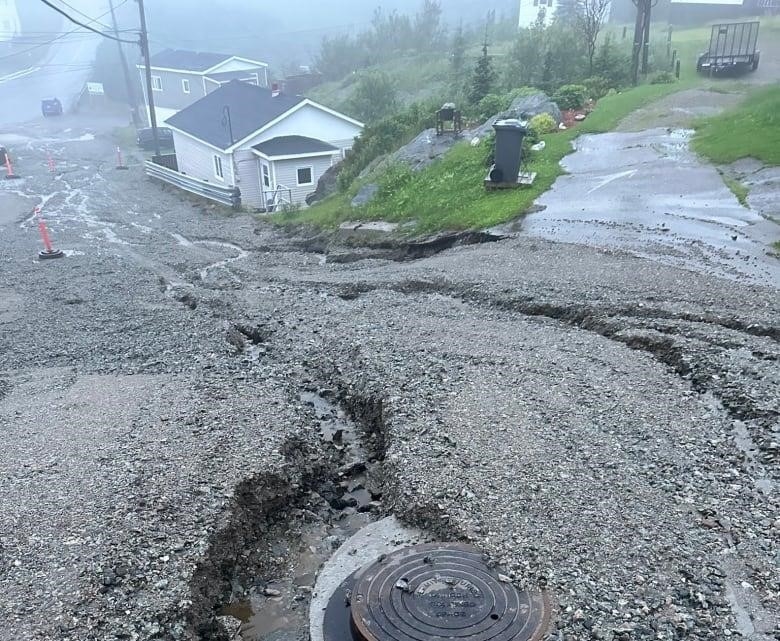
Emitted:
pixel 95 88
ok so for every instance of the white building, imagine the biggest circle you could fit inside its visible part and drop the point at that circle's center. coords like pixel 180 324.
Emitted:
pixel 531 10
pixel 10 26
pixel 272 146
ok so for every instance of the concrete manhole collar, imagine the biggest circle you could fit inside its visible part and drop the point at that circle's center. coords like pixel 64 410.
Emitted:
pixel 433 592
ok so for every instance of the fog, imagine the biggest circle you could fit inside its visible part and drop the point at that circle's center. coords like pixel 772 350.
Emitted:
pixel 274 32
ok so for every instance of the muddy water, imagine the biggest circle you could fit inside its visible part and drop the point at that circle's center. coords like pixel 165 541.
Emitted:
pixel 276 608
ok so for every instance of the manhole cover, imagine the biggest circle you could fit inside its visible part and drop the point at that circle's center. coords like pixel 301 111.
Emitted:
pixel 441 592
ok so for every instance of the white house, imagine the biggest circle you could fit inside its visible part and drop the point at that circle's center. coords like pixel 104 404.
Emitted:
pixel 10 26
pixel 532 10
pixel 272 146
pixel 180 78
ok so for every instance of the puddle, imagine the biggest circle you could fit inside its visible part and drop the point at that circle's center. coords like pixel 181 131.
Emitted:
pixel 276 608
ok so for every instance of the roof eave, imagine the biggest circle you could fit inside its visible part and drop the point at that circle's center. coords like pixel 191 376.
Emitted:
pixel 313 154
pixel 256 63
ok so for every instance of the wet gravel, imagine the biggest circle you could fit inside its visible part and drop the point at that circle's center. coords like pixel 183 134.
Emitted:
pixel 604 425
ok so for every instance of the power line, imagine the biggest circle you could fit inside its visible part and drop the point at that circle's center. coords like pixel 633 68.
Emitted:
pixel 59 37
pixel 81 13
pixel 86 26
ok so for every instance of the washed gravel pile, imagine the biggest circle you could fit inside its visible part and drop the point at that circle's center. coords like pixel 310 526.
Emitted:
pixel 604 426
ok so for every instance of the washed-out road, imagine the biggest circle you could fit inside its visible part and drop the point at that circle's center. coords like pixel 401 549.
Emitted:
pixel 604 424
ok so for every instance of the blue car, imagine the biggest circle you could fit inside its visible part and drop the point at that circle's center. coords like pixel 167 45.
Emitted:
pixel 51 107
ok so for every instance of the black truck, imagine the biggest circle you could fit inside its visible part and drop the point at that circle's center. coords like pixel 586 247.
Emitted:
pixel 732 49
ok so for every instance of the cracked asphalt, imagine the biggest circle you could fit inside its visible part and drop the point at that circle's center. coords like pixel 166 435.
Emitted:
pixel 605 424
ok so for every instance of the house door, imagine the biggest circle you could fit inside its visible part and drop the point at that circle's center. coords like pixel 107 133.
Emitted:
pixel 266 184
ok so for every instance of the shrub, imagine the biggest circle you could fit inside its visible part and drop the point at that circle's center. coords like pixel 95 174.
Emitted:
pixel 663 78
pixel 490 105
pixel 518 92
pixel 613 63
pixel 597 87
pixel 570 96
pixel 385 136
pixel 543 124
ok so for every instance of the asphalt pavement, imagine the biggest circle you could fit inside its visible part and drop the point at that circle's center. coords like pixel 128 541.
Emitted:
pixel 61 72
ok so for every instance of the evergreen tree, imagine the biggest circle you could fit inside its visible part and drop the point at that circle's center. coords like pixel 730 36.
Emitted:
pixel 484 77
pixel 458 51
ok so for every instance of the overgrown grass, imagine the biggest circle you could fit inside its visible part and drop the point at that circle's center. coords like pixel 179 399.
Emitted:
pixel 752 130
pixel 776 246
pixel 450 193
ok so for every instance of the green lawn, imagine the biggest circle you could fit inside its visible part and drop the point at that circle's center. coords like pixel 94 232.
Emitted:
pixel 751 130
pixel 449 194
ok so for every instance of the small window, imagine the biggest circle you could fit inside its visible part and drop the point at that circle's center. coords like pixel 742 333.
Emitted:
pixel 304 176
pixel 218 167
pixel 156 83
pixel 266 175
pixel 185 86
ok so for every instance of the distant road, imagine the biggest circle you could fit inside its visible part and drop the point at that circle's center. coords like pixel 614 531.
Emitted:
pixel 61 73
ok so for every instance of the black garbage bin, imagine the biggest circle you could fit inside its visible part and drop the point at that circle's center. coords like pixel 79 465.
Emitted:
pixel 509 145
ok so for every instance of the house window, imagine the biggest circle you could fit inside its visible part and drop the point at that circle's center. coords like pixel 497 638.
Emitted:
pixel 305 176
pixel 156 83
pixel 185 86
pixel 266 175
pixel 218 167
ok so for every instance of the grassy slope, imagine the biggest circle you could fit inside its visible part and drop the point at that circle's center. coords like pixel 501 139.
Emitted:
pixel 450 194
pixel 750 130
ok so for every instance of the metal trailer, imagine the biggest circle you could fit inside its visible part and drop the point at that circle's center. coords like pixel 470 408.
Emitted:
pixel 732 49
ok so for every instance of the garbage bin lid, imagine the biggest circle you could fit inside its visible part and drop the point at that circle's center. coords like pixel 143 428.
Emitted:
pixel 508 123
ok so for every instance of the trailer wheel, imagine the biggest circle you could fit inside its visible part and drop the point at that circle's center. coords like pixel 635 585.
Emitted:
pixel 755 63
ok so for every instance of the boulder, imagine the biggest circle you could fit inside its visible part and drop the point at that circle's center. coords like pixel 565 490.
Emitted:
pixel 522 108
pixel 425 148
pixel 365 194
pixel 428 147
pixel 326 185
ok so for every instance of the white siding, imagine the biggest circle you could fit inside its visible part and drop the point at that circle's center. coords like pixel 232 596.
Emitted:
pixel 529 12
pixel 313 123
pixel 10 26
pixel 286 174
pixel 248 173
pixel 234 65
pixel 197 160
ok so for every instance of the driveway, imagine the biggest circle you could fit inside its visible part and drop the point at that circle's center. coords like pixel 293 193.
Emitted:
pixel 641 189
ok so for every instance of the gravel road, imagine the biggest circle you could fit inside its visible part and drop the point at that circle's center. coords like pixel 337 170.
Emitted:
pixel 605 425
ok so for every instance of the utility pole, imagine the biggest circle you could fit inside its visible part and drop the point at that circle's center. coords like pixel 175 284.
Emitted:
pixel 147 62
pixel 641 50
pixel 131 99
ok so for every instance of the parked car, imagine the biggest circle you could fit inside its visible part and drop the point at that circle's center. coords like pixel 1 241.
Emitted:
pixel 145 139
pixel 51 107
